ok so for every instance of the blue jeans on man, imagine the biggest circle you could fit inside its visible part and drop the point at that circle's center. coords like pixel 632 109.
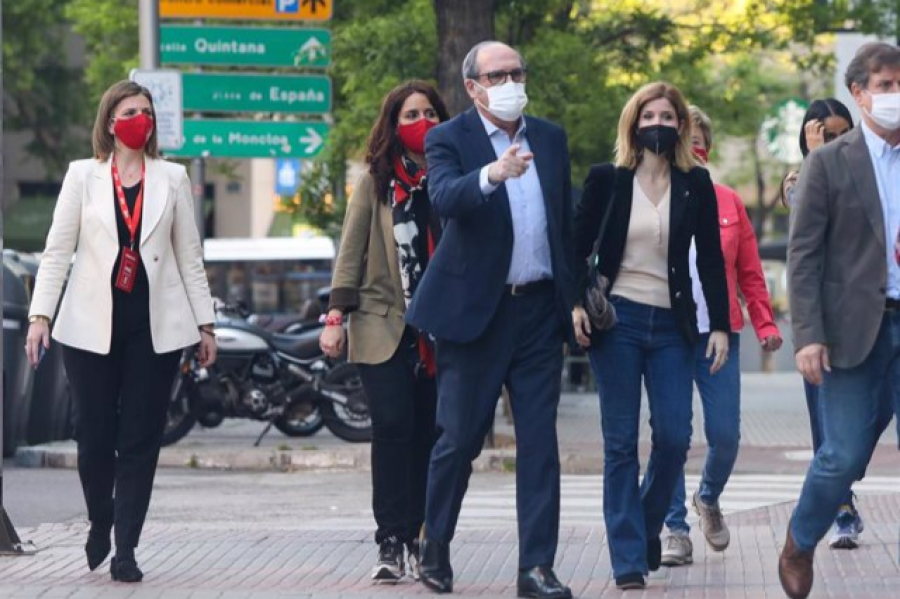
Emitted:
pixel 644 346
pixel 720 394
pixel 851 404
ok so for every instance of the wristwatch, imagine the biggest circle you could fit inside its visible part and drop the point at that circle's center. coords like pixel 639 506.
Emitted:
pixel 35 318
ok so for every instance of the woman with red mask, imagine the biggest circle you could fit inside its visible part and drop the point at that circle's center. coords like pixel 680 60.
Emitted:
pixel 137 296
pixel 389 234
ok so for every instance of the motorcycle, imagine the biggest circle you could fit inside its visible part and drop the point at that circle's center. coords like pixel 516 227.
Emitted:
pixel 283 379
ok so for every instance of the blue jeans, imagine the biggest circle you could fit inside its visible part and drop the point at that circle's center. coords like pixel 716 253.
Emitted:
pixel 645 345
pixel 852 402
pixel 720 394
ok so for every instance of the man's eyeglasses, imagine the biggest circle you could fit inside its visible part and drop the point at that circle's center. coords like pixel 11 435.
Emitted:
pixel 498 77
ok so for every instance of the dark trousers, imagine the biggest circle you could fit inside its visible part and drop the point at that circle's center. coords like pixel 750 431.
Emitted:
pixel 121 400
pixel 402 402
pixel 521 348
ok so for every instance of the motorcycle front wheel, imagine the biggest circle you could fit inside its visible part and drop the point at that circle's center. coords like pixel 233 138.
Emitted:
pixel 179 420
pixel 350 422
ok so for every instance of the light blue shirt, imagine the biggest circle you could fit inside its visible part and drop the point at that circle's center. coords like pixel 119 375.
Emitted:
pixel 886 163
pixel 531 246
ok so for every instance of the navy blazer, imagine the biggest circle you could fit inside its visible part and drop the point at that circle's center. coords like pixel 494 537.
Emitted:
pixel 465 279
pixel 693 213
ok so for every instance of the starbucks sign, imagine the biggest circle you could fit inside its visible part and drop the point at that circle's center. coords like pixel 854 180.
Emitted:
pixel 780 132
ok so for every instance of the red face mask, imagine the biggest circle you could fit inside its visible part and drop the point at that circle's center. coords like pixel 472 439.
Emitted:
pixel 412 135
pixel 701 153
pixel 134 132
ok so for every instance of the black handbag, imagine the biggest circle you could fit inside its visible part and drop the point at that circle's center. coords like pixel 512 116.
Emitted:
pixel 601 313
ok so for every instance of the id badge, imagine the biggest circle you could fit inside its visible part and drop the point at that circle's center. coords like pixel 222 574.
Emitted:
pixel 128 265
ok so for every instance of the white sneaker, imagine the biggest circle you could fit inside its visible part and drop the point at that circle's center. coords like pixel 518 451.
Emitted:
pixel 712 524
pixel 677 549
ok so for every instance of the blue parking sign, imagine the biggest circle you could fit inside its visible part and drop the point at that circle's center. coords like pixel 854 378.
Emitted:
pixel 287 6
pixel 287 176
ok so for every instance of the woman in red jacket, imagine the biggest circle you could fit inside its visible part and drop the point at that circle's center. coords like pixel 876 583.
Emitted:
pixel 721 392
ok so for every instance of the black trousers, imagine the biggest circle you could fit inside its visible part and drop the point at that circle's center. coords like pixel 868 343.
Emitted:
pixel 402 404
pixel 121 401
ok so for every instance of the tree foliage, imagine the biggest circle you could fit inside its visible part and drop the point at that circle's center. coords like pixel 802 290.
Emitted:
pixel 43 91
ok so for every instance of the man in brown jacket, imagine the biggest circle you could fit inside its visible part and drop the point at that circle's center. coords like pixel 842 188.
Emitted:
pixel 844 284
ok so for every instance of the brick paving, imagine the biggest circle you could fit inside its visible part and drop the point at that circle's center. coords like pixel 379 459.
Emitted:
pixel 243 559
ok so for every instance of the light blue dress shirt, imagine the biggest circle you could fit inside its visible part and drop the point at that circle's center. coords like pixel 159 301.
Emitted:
pixel 886 163
pixel 531 246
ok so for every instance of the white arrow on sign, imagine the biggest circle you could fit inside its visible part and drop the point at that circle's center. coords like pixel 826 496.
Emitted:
pixel 312 140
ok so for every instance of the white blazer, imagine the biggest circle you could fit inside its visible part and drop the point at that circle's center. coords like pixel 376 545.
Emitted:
pixel 84 223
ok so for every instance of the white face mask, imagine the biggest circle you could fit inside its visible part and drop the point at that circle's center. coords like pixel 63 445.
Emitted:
pixel 507 101
pixel 885 110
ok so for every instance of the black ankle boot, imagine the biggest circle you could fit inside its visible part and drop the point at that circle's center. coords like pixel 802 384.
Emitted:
pixel 434 566
pixel 98 545
pixel 125 570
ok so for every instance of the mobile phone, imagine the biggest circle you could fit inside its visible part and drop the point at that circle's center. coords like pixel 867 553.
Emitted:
pixel 41 352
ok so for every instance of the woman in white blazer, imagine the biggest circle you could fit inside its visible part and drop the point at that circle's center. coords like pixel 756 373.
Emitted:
pixel 136 296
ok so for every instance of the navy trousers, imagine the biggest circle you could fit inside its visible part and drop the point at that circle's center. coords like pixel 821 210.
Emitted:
pixel 521 348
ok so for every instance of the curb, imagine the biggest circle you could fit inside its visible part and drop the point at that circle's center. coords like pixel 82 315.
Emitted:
pixel 64 455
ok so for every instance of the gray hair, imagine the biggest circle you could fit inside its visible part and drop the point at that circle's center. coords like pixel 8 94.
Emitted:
pixel 470 62
pixel 702 121
pixel 870 58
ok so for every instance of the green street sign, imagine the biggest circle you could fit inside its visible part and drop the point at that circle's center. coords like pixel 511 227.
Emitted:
pixel 252 139
pixel 245 46
pixel 217 92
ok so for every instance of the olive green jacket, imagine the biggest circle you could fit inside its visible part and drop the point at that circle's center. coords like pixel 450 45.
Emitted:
pixel 366 281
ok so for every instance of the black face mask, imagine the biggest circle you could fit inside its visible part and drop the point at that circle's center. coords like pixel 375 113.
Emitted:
pixel 659 139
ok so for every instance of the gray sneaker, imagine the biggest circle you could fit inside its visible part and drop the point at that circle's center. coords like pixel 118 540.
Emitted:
pixel 712 524
pixel 677 549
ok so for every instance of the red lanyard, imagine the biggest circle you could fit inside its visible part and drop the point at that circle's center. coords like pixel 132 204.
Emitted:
pixel 131 221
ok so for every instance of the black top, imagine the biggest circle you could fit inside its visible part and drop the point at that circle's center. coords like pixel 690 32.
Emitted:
pixel 693 213
pixel 133 307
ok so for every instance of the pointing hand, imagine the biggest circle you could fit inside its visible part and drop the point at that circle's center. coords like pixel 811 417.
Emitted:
pixel 510 165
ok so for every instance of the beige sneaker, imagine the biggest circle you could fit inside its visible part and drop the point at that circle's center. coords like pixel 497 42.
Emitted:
pixel 677 549
pixel 712 524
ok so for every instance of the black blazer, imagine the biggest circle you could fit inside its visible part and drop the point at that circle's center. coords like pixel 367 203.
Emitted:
pixel 465 279
pixel 693 213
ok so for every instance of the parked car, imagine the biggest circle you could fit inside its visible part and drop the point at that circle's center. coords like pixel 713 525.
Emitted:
pixel 48 403
pixel 17 375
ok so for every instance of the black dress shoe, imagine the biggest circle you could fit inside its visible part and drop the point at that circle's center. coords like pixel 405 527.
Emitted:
pixel 540 581
pixel 125 570
pixel 434 566
pixel 654 554
pixel 98 546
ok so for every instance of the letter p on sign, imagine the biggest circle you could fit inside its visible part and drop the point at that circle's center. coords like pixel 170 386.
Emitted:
pixel 287 5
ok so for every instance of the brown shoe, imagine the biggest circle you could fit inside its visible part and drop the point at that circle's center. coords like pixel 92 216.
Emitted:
pixel 795 569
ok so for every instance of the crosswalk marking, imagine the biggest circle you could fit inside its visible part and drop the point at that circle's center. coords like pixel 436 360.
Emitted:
pixel 582 498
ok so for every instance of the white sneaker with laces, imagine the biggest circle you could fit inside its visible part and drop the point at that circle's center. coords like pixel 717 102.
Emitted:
pixel 677 549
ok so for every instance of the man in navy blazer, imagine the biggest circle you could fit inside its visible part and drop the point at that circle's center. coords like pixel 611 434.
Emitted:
pixel 497 297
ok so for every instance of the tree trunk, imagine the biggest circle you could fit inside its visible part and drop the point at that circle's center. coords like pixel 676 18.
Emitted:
pixel 460 25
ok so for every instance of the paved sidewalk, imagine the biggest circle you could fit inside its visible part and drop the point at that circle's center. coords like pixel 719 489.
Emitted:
pixel 260 560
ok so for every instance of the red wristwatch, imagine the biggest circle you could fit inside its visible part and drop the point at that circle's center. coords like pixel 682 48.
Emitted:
pixel 333 321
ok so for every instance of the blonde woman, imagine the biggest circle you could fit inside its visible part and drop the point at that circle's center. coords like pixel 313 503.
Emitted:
pixel 137 295
pixel 659 199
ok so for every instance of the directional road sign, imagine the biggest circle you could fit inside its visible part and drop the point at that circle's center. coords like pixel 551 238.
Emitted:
pixel 165 87
pixel 245 46
pixel 275 10
pixel 218 92
pixel 252 139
